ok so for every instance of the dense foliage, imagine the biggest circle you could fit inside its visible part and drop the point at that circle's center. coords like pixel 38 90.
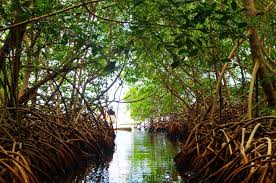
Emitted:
pixel 63 54
pixel 184 45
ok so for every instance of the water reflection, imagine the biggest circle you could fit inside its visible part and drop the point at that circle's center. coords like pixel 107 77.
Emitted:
pixel 139 157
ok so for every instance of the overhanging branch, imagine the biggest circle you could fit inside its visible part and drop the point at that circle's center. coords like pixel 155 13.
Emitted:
pixel 48 15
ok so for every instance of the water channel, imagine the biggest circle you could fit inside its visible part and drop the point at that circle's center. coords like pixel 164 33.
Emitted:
pixel 139 158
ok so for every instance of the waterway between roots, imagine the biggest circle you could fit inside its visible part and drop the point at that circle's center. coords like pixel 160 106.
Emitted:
pixel 139 158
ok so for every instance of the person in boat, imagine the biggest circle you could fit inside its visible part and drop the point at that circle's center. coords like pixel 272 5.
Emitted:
pixel 111 116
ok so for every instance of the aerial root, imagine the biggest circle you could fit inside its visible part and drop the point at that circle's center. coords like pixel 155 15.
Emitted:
pixel 236 152
pixel 45 146
pixel 178 126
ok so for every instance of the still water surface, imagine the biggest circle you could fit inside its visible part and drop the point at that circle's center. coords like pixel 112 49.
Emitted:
pixel 139 157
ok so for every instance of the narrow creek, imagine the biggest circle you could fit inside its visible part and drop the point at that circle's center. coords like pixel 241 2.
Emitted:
pixel 139 157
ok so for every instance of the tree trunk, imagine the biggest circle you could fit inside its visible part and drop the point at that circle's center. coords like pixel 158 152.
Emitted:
pixel 257 56
pixel 12 46
pixel 28 70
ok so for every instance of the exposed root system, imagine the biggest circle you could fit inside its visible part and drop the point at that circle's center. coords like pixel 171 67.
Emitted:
pixel 233 152
pixel 37 146
pixel 229 149
pixel 174 127
pixel 178 126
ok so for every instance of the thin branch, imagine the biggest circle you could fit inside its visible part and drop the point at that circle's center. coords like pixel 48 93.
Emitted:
pixel 106 19
pixel 269 67
pixel 238 44
pixel 108 88
pixel 48 15
pixel 133 23
pixel 212 117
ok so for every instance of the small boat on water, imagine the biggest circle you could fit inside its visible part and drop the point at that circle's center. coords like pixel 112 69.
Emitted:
pixel 123 128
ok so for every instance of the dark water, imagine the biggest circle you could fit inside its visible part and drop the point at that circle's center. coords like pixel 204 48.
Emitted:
pixel 139 157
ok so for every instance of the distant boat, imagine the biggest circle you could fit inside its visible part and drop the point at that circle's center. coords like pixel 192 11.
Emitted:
pixel 123 128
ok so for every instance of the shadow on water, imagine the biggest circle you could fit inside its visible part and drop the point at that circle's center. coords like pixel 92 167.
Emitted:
pixel 139 157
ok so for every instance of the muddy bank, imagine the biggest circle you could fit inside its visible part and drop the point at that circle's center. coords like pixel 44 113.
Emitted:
pixel 39 146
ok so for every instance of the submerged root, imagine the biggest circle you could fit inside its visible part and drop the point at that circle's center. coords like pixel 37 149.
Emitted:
pixel 45 146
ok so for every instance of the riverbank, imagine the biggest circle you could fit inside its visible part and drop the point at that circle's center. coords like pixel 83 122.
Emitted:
pixel 39 146
pixel 228 149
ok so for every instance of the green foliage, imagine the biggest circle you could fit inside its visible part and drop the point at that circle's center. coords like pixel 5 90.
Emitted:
pixel 171 51
pixel 150 101
pixel 182 44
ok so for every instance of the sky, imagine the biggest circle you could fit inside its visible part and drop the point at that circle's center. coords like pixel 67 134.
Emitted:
pixel 122 114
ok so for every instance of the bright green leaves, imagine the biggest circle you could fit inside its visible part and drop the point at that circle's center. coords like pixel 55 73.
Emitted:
pixel 40 7
pixel 149 100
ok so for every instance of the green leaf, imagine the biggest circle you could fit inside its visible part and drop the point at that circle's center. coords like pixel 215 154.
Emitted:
pixel 242 25
pixel 175 64
pixel 110 66
pixel 137 2
pixel 223 34
pixel 234 5
pixel 182 51
pixel 225 60
pixel 179 43
pixel 199 42
pixel 189 43
pixel 193 52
